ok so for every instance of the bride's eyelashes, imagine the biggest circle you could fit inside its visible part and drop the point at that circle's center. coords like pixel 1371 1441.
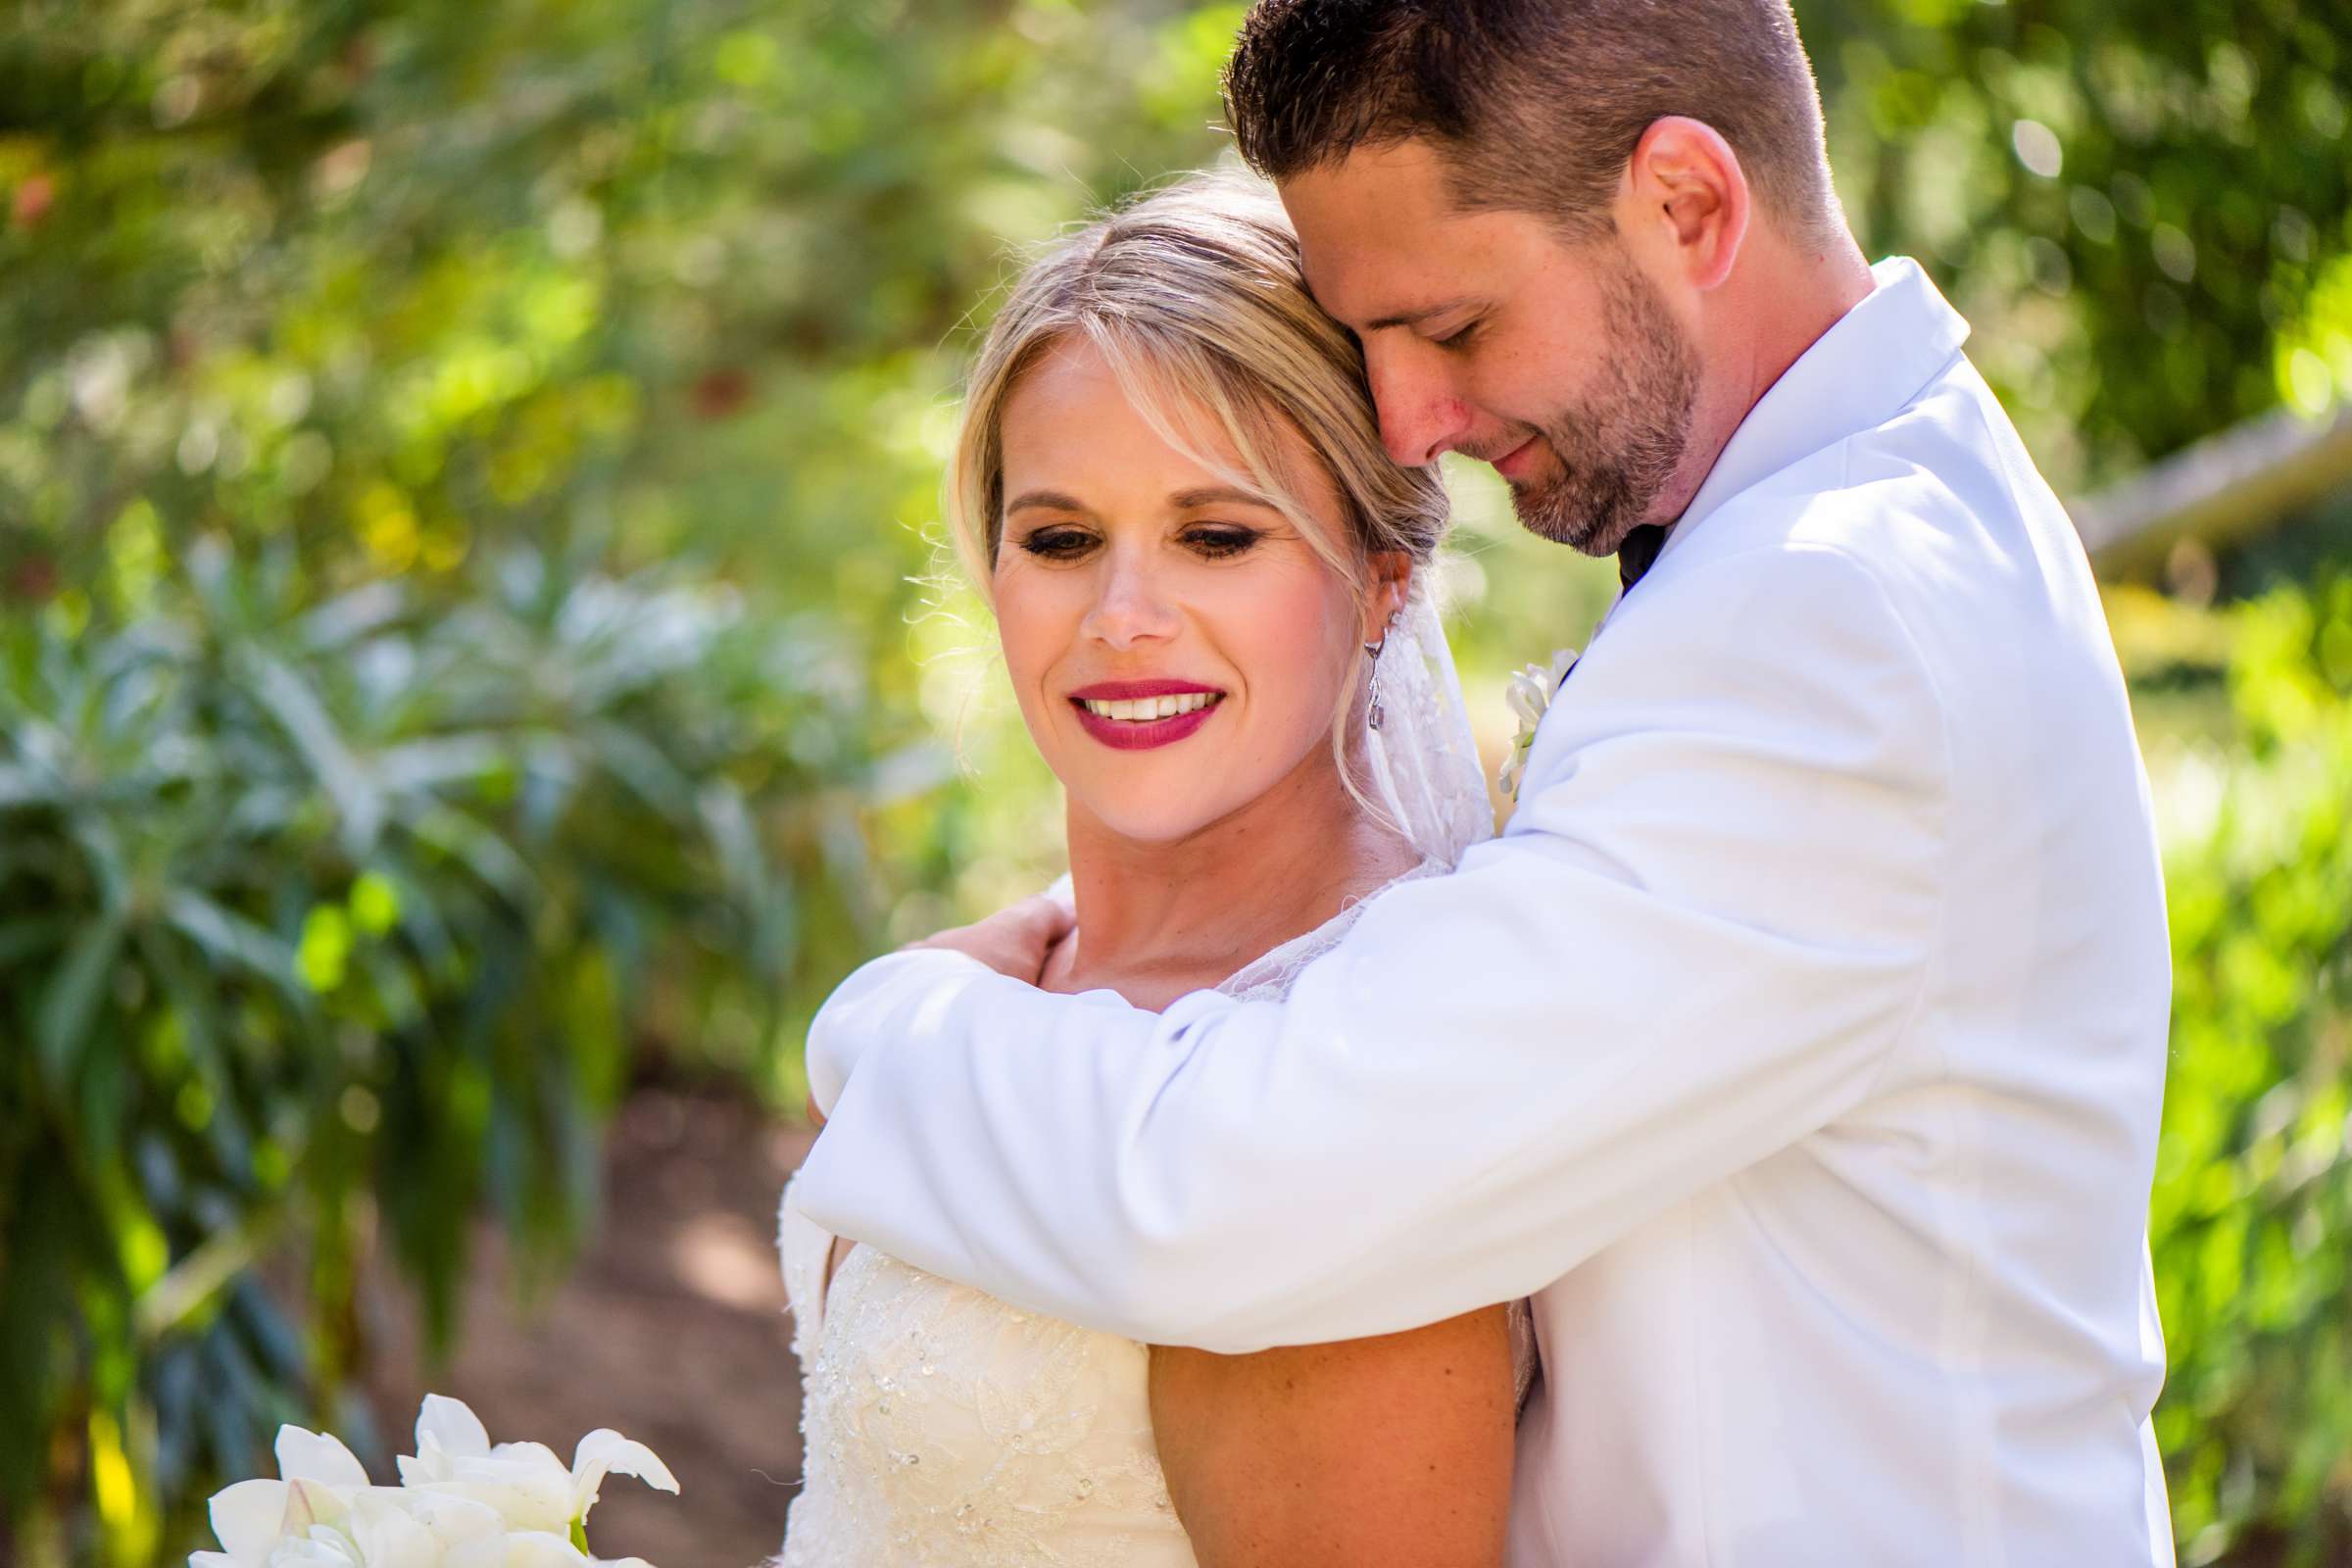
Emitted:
pixel 1056 543
pixel 1214 541
pixel 1222 540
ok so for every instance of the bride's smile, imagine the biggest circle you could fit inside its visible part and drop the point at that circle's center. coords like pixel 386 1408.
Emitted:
pixel 1138 714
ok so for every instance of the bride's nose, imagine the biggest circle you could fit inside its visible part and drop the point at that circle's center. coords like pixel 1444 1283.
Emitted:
pixel 1131 602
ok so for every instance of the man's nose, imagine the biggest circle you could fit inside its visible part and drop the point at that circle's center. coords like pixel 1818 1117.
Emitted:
pixel 1133 606
pixel 1422 413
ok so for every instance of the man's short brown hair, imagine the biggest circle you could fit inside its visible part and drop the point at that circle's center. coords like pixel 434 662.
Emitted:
pixel 1534 105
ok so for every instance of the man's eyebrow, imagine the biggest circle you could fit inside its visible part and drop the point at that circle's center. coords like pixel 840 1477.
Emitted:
pixel 1414 318
pixel 1054 499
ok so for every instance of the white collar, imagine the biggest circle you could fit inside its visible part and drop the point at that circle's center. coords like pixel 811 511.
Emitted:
pixel 1871 362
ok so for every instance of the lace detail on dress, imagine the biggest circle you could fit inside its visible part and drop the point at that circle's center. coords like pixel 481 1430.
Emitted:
pixel 1270 973
pixel 944 1426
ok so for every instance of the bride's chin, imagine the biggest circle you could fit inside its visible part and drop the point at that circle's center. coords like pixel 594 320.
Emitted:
pixel 1155 816
pixel 1147 825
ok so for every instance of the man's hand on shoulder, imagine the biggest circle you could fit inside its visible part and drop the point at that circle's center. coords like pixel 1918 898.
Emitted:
pixel 1014 941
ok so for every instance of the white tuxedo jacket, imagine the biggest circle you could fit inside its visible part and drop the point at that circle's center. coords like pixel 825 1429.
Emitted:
pixel 1798 1047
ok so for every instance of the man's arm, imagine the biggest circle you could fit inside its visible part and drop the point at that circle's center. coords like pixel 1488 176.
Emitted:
pixel 1707 928
pixel 1014 941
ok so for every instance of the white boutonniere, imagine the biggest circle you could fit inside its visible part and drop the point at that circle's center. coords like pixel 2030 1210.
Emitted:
pixel 1530 694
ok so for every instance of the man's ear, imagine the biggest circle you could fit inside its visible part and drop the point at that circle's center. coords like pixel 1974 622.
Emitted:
pixel 1685 199
pixel 1391 581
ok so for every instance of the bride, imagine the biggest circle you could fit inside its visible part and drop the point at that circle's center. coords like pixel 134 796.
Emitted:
pixel 1206 579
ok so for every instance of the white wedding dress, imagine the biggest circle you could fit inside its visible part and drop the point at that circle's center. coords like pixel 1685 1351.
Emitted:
pixel 944 1428
pixel 941 1426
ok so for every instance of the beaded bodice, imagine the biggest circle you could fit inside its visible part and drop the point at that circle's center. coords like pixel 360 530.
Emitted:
pixel 944 1427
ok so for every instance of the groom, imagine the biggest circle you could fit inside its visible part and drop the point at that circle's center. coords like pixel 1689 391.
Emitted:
pixel 1799 1049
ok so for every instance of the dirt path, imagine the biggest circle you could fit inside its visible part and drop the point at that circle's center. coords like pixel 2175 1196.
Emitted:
pixel 671 1330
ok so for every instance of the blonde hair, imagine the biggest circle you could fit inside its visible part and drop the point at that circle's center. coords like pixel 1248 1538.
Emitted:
pixel 1194 298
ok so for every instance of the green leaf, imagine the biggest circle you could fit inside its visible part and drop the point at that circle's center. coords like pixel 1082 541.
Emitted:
pixel 231 938
pixel 296 707
pixel 71 1000
pixel 346 619
pixel 22 787
pixel 428 764
pixel 742 858
pixel 22 938
pixel 480 851
pixel 638 764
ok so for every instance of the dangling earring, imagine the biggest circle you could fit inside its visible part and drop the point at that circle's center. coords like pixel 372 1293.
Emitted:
pixel 1372 690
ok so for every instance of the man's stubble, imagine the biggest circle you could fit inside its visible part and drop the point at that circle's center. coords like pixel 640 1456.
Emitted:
pixel 1619 447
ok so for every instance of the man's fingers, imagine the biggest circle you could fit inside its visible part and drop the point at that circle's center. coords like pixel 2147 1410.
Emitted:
pixel 1050 918
pixel 1014 941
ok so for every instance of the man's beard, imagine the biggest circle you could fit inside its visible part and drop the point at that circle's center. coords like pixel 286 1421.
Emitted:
pixel 1621 446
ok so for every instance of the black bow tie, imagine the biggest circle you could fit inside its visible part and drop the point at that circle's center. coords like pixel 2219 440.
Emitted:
pixel 1638 553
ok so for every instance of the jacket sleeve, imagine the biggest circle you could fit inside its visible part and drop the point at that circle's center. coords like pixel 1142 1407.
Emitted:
pixel 1706 930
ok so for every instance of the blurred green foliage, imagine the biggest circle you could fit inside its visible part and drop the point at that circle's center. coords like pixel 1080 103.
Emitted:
pixel 2252 1217
pixel 2315 350
pixel 2130 202
pixel 468 482
pixel 316 913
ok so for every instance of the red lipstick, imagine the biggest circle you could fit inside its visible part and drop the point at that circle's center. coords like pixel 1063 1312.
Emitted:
pixel 1141 734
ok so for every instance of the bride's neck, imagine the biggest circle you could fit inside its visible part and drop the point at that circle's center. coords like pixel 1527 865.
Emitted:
pixel 1175 915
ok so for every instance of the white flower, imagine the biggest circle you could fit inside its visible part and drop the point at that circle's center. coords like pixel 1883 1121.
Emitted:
pixel 531 1549
pixel 322 1544
pixel 249 1518
pixel 603 1453
pixel 450 1521
pixel 463 1503
pixel 524 1482
pixel 388 1535
pixel 520 1548
pixel 1530 694
pixel 315 1456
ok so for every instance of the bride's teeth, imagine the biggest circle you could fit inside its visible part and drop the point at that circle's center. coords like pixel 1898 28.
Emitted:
pixel 1147 709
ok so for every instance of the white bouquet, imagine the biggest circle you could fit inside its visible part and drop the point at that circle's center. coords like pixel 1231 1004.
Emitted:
pixel 461 1503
